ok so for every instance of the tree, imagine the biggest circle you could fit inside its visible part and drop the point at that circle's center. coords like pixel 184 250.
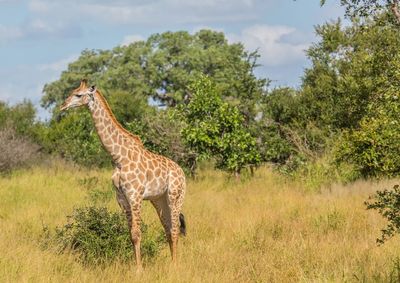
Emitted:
pixel 352 88
pixel 158 70
pixel 373 147
pixel 21 117
pixel 162 68
pixel 350 67
pixel 370 8
pixel 213 128
pixel 280 110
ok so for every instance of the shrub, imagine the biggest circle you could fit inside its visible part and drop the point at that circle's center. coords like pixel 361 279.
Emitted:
pixel 16 151
pixel 387 202
pixel 97 236
pixel 20 116
pixel 373 148
pixel 215 129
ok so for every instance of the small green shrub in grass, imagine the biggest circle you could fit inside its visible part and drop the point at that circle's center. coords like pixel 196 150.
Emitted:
pixel 97 236
pixel 387 202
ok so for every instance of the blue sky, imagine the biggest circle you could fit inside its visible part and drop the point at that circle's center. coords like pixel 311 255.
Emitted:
pixel 38 38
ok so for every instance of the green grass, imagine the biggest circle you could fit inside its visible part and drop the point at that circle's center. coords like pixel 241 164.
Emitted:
pixel 265 229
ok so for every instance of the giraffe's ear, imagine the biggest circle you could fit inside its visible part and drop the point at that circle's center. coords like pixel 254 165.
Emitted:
pixel 92 88
pixel 83 83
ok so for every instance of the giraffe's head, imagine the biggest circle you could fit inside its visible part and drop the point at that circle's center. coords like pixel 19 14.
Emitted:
pixel 80 96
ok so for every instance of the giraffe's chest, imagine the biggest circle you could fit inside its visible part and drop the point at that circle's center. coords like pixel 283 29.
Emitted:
pixel 155 184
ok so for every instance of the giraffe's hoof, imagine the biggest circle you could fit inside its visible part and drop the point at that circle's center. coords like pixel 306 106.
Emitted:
pixel 139 269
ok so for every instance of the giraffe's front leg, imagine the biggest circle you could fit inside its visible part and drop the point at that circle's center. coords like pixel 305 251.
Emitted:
pixel 121 198
pixel 134 194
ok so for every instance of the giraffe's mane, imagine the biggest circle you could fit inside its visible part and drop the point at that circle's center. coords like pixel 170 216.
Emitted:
pixel 108 109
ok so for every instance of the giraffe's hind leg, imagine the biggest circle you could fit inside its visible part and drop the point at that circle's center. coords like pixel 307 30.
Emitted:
pixel 164 213
pixel 176 194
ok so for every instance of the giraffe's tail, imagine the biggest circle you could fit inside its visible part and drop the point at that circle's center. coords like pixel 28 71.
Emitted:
pixel 182 227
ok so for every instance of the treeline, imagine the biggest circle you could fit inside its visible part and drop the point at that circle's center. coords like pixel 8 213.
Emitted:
pixel 195 96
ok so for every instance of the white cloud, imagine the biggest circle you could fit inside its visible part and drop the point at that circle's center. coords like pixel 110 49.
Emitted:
pixel 154 12
pixel 58 65
pixel 213 3
pixel 273 43
pixel 37 29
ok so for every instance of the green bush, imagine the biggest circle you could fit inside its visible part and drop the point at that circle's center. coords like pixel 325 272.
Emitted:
pixel 387 203
pixel 97 236
pixel 75 138
pixel 20 117
pixel 215 129
pixel 373 147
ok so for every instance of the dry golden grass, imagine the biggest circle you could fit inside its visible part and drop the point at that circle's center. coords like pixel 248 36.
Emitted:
pixel 262 230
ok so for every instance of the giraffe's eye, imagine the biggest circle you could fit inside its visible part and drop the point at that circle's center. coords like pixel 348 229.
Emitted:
pixel 79 95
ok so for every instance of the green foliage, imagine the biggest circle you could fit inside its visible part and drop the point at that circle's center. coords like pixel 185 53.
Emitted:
pixel 350 67
pixel 76 139
pixel 349 95
pixel 127 107
pixel 163 66
pixel 373 147
pixel 98 236
pixel 158 70
pixel 387 203
pixel 213 128
pixel 279 113
pixel 21 117
pixel 366 9
pixel 284 135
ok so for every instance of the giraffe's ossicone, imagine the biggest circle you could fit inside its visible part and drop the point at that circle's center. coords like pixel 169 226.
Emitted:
pixel 139 174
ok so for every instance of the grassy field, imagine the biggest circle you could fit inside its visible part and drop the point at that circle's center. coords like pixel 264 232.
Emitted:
pixel 266 229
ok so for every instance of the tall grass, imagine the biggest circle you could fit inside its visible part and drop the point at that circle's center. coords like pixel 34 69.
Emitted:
pixel 265 229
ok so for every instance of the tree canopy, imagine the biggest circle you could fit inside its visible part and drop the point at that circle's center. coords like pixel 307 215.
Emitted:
pixel 141 79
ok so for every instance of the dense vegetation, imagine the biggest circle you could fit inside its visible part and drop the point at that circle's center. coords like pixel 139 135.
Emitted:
pixel 195 96
pixel 145 83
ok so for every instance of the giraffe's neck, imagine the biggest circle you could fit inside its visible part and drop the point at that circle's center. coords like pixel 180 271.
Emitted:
pixel 112 135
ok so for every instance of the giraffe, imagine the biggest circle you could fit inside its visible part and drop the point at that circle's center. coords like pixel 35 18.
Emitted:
pixel 138 174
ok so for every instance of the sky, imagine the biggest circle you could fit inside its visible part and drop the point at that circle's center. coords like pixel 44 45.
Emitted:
pixel 38 38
